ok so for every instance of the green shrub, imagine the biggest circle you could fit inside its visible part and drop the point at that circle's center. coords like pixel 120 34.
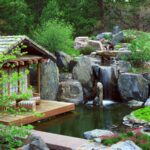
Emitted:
pixel 87 50
pixel 54 36
pixel 140 48
pixel 12 136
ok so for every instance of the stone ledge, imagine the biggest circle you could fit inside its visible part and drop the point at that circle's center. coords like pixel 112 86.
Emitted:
pixel 60 142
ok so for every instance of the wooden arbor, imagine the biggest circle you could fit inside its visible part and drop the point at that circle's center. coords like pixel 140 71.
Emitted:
pixel 35 55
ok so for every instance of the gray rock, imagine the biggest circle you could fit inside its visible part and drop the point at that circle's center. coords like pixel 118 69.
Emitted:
pixel 147 76
pixel 91 146
pixel 147 103
pixel 134 103
pixel 70 91
pixel 124 66
pixel 81 42
pixel 95 44
pixel 104 35
pixel 35 143
pixel 133 86
pixel 100 92
pixel 97 133
pixel 125 145
pixel 49 80
pixel 83 73
pixel 121 54
pixel 63 60
pixel 117 35
pixel 123 49
pixel 65 76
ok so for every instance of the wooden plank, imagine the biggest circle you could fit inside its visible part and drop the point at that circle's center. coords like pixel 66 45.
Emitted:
pixel 48 108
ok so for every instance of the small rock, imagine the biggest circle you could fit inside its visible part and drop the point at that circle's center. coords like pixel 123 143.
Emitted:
pixel 81 42
pixel 97 133
pixel 147 103
pixel 97 140
pixel 35 143
pixel 125 145
pixel 135 103
pixel 65 76
pixel 91 146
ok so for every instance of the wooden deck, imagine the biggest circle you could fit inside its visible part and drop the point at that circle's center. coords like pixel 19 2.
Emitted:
pixel 48 108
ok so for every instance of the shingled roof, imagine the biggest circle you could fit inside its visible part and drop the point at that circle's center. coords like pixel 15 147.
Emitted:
pixel 8 43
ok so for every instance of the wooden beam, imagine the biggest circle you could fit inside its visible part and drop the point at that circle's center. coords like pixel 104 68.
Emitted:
pixel 38 78
pixel 30 62
pixel 35 61
pixel 21 63
pixel 43 60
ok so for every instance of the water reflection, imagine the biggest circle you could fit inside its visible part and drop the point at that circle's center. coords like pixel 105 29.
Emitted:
pixel 84 119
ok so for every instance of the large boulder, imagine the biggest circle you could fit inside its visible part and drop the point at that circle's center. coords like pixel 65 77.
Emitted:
pixel 49 80
pixel 63 60
pixel 125 145
pixel 70 91
pixel 83 73
pixel 133 86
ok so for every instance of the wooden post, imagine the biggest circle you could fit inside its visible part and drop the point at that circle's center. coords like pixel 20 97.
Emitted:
pixel 38 77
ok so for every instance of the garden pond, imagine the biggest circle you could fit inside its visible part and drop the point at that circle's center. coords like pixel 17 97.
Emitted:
pixel 86 118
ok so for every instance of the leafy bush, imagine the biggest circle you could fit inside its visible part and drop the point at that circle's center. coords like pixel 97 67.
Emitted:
pixel 140 48
pixel 11 136
pixel 87 50
pixel 54 36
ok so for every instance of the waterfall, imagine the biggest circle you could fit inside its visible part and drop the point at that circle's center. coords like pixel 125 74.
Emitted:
pixel 106 79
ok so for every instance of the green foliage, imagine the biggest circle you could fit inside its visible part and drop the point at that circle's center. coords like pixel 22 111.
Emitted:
pixel 140 139
pixel 72 52
pixel 143 113
pixel 11 136
pixel 15 17
pixel 140 47
pixel 143 141
pixel 87 50
pixel 51 11
pixel 54 36
pixel 139 70
pixel 111 141
pixel 140 50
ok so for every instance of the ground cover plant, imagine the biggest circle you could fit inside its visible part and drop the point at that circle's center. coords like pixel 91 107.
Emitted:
pixel 142 140
pixel 143 113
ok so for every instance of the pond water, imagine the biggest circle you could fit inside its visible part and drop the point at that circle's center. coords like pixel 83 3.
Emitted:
pixel 86 118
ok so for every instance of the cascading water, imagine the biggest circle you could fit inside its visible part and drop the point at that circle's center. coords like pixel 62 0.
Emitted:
pixel 106 79
pixel 106 75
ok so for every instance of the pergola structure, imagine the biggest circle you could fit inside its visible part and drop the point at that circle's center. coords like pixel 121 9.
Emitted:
pixel 34 55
